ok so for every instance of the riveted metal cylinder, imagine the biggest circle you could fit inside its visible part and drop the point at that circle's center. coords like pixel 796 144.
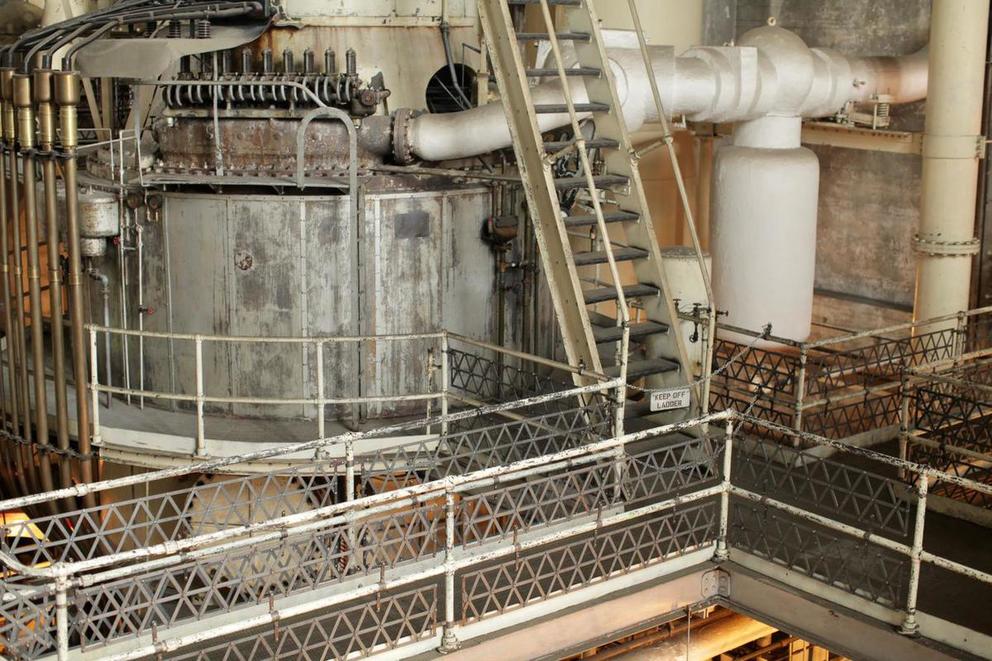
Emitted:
pixel 42 90
pixel 25 113
pixel 67 96
pixel 6 102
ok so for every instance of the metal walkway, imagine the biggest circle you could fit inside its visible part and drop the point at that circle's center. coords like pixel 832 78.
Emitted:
pixel 468 533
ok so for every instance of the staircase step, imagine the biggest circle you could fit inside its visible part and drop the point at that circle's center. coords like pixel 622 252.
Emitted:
pixel 558 108
pixel 639 330
pixel 547 72
pixel 589 220
pixel 601 181
pixel 603 294
pixel 620 254
pixel 595 143
pixel 562 36
pixel 640 368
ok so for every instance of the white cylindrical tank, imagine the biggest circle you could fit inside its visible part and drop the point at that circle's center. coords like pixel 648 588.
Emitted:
pixel 765 189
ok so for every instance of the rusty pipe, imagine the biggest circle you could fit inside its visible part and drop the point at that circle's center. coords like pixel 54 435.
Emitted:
pixel 23 101
pixel 12 454
pixel 67 97
pixel 46 143
pixel 19 369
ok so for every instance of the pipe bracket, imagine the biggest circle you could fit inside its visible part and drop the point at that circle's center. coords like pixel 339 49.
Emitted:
pixel 934 246
pixel 964 147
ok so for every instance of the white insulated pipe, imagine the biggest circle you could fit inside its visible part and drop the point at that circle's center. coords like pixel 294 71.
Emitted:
pixel 765 185
pixel 771 72
pixel 952 146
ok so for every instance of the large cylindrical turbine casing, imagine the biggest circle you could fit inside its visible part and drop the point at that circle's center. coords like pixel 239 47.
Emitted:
pixel 765 189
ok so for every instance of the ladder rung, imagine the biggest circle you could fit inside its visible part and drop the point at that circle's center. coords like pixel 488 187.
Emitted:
pixel 639 368
pixel 595 143
pixel 639 330
pixel 600 181
pixel 561 36
pixel 548 72
pixel 602 294
pixel 588 220
pixel 599 256
pixel 557 108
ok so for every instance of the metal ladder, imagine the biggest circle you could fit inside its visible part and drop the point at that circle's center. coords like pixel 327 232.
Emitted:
pixel 615 213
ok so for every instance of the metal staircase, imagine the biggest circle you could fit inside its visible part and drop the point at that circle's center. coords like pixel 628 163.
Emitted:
pixel 604 267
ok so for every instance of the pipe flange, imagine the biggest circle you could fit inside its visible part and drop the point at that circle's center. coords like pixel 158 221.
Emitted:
pixel 402 149
pixel 934 246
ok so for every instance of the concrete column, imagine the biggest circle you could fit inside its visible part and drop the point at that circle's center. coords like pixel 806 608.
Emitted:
pixel 951 147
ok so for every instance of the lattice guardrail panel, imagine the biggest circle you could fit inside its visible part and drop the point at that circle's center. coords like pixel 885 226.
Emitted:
pixel 957 416
pixel 537 501
pixel 464 451
pixel 27 623
pixel 960 417
pixel 197 589
pixel 876 360
pixel 844 493
pixel 545 572
pixel 851 417
pixel 177 514
pixel 504 379
pixel 672 470
pixel 834 558
pixel 358 629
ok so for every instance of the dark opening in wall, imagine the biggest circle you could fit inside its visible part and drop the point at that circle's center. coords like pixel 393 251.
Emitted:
pixel 443 93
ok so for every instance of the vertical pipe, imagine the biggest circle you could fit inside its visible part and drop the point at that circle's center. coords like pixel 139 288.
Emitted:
pixel 10 350
pixel 67 98
pixel 449 641
pixel 25 120
pixel 952 145
pixel 909 624
pixel 349 470
pixel 46 141
pixel 800 392
pixel 17 247
pixel 321 406
pixel 904 423
pixel 20 374
pixel 94 384
pixel 201 443
pixel 445 384
pixel 61 619
pixel 722 548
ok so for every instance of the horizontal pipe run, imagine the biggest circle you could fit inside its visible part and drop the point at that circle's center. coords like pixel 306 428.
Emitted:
pixel 222 83
pixel 274 401
pixel 439 569
pixel 214 464
pixel 416 493
pixel 262 339
pixel 314 521
pixel 525 356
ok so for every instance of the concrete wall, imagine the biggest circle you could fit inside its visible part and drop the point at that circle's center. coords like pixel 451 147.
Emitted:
pixel 676 23
pixel 869 201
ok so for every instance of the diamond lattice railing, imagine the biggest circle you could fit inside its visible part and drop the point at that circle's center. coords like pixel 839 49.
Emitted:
pixel 358 629
pixel 845 493
pixel 841 561
pixel 542 573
